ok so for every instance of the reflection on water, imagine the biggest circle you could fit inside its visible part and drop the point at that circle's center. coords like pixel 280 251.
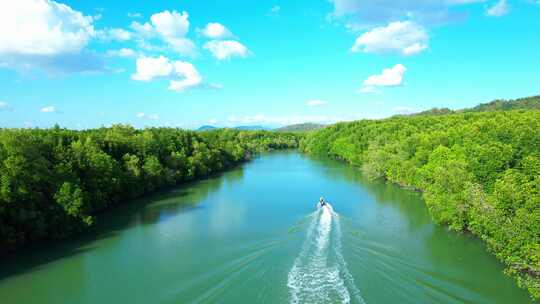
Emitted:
pixel 253 235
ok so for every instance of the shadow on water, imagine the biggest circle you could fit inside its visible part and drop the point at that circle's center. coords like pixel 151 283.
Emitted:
pixel 143 211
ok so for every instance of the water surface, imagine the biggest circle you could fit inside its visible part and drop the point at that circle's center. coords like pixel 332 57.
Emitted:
pixel 255 235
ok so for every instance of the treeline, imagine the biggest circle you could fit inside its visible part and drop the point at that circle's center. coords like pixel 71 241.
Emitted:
pixel 54 181
pixel 479 172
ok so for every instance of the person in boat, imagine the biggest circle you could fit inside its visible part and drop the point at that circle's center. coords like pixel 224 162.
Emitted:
pixel 322 202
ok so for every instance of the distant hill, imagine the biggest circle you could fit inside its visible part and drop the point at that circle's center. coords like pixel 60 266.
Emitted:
pixel 303 127
pixel 526 103
pixel 206 128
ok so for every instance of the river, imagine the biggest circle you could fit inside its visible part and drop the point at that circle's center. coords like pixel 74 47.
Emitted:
pixel 255 235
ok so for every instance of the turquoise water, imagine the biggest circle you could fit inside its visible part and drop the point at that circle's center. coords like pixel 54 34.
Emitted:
pixel 255 235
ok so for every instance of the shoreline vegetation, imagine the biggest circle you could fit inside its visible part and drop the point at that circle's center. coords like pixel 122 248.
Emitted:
pixel 478 173
pixel 54 182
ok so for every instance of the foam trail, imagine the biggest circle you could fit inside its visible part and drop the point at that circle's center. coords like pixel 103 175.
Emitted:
pixel 319 273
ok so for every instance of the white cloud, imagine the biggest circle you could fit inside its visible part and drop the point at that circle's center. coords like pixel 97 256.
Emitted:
pixel 216 30
pixel 225 49
pixel 144 30
pixel 41 27
pixel 390 77
pixel 403 37
pixel 149 68
pixel 123 52
pixel 48 109
pixel 213 121
pixel 171 27
pixel 183 46
pixel 316 103
pixel 182 75
pixel 143 115
pixel 190 77
pixel 499 9
pixel 171 24
pixel 44 34
pixel 134 15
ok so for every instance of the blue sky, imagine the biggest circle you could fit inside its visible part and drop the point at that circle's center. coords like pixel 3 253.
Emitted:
pixel 186 63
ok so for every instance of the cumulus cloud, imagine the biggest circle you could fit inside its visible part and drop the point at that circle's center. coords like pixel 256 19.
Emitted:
pixel 402 37
pixel 215 30
pixel 316 103
pixel 182 75
pixel 149 68
pixel 370 13
pixel 48 109
pixel 123 52
pixel 190 77
pixel 171 24
pixel 499 9
pixel 390 77
pixel 144 30
pixel 171 27
pixel 143 115
pixel 225 49
pixel 40 27
pixel 45 34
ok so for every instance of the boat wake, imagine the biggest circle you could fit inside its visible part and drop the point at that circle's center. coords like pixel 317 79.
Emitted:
pixel 319 273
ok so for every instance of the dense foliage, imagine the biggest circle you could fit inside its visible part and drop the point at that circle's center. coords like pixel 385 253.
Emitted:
pixel 479 172
pixel 53 182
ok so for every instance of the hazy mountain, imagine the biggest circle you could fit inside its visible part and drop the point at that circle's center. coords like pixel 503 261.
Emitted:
pixel 206 128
